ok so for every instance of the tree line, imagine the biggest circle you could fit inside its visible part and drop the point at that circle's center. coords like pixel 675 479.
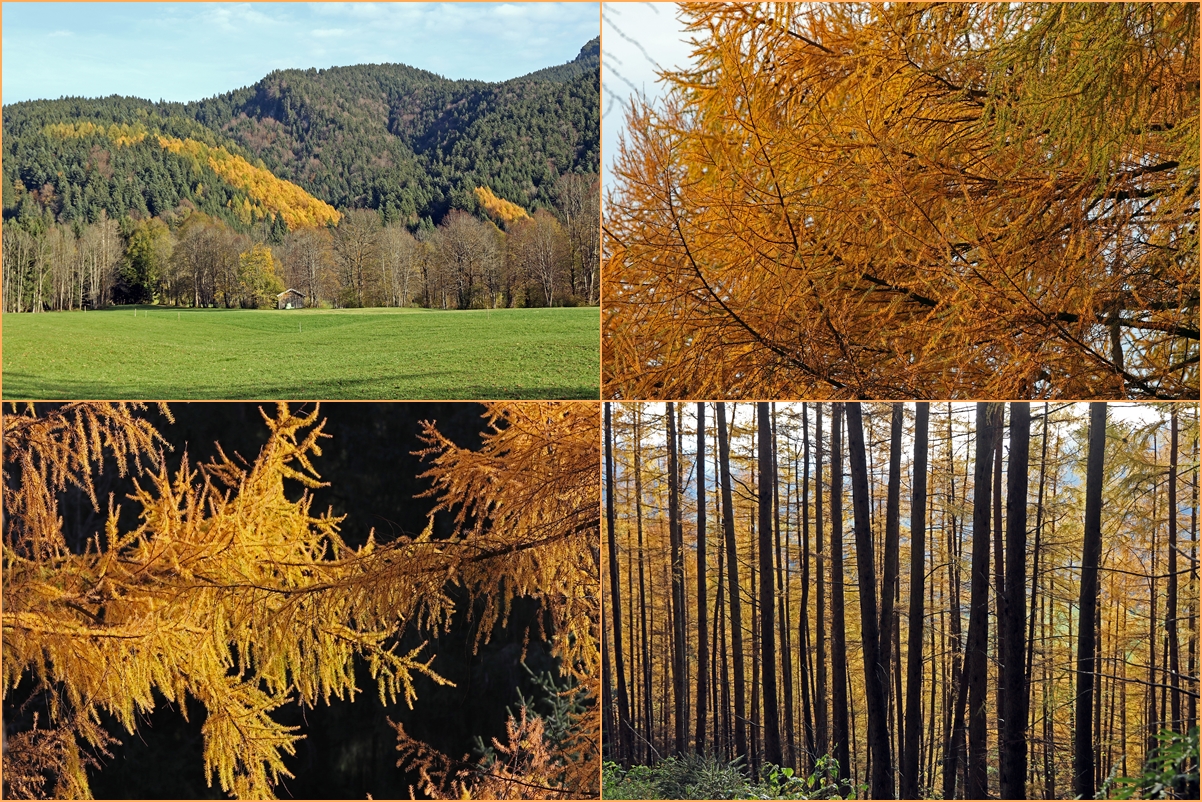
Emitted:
pixel 390 137
pixel 914 601
pixel 189 258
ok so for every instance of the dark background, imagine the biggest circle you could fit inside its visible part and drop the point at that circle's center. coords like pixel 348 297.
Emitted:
pixel 349 750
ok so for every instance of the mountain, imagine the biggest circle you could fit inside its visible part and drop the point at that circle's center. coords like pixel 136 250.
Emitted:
pixel 384 136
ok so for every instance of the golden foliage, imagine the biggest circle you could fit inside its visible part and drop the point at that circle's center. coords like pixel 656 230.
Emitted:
pixel 259 277
pixel 912 200
pixel 268 194
pixel 527 506
pixel 498 208
pixel 118 134
pixel 528 766
pixel 231 594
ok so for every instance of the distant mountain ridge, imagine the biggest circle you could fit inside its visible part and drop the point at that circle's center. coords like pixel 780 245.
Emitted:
pixel 385 136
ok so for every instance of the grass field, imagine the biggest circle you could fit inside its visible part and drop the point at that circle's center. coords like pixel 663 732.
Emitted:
pixel 163 353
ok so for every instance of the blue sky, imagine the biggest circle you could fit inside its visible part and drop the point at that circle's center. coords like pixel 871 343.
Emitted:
pixel 639 40
pixel 190 51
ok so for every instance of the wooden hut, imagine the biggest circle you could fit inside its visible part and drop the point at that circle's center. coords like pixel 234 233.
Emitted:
pixel 291 299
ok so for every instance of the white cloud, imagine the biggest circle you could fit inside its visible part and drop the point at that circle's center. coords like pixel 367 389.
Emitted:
pixel 188 51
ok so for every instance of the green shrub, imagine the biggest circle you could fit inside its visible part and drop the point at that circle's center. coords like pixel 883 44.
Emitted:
pixel 706 777
pixel 1171 771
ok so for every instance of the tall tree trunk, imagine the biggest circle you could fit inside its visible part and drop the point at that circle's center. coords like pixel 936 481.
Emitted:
pixel 702 634
pixel 644 598
pixel 720 654
pixel 822 742
pixel 1083 755
pixel 839 733
pixel 771 723
pixel 755 718
pixel 892 567
pixel 972 691
pixel 918 504
pixel 1192 662
pixel 615 599
pixel 782 621
pixel 876 673
pixel 732 564
pixel 678 627
pixel 1170 611
pixel 953 752
pixel 1150 720
pixel 999 570
pixel 803 633
pixel 607 701
pixel 1043 466
pixel 1012 613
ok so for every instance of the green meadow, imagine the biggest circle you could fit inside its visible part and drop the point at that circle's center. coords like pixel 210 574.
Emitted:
pixel 163 353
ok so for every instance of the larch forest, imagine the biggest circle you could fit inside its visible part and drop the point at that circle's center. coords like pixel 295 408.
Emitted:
pixel 931 600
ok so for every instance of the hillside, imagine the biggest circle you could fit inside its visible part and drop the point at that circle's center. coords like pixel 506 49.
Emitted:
pixel 381 136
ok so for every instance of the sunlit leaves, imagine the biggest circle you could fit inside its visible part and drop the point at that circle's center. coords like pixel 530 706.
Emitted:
pixel 904 201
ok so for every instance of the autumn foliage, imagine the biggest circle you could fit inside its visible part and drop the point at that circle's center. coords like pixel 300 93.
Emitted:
pixel 265 192
pixel 232 595
pixel 499 209
pixel 912 201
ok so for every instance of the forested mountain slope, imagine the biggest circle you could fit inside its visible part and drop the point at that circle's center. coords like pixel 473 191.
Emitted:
pixel 382 136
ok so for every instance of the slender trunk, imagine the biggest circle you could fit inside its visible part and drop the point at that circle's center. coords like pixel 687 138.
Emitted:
pixel 1192 661
pixel 702 634
pixel 678 629
pixel 633 650
pixel 732 563
pixel 892 567
pixel 803 635
pixel 876 673
pixel 644 598
pixel 909 763
pixel 822 745
pixel 953 751
pixel 1170 612
pixel 722 668
pixel 1083 754
pixel 607 702
pixel 789 747
pixel 721 673
pixel 1151 723
pixel 840 746
pixel 615 597
pixel 973 688
pixel 756 720
pixel 1049 743
pixel 771 721
pixel 1036 603
pixel 1043 466
pixel 999 575
pixel 1012 613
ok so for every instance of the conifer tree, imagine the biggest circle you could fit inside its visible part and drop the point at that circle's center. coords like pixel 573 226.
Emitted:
pixel 231 599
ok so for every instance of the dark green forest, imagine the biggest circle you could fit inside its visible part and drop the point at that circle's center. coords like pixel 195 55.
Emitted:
pixel 401 140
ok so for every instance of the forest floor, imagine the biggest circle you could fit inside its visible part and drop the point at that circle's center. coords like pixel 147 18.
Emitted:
pixel 155 352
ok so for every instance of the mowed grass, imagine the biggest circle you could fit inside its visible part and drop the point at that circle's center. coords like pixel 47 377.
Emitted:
pixel 162 353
